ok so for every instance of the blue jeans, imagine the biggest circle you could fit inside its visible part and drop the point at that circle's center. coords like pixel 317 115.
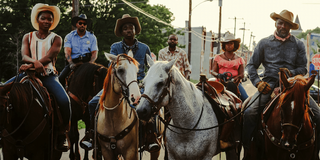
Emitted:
pixel 53 86
pixel 94 104
pixel 243 93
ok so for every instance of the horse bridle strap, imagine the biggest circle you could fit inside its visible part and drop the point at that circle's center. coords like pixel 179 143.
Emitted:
pixel 113 139
pixel 82 103
pixel 277 141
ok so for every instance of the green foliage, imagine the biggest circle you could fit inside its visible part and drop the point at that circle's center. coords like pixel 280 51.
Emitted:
pixel 81 124
pixel 15 22
pixel 304 34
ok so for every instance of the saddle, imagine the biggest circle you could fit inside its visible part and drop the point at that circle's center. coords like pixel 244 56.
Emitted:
pixel 224 103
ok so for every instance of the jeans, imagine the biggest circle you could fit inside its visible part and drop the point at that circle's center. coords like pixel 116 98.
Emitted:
pixel 63 74
pixel 243 93
pixel 55 88
pixel 94 104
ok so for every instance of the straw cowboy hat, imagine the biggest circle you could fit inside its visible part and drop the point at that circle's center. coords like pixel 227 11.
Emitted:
pixel 229 37
pixel 39 7
pixel 286 16
pixel 126 18
pixel 75 20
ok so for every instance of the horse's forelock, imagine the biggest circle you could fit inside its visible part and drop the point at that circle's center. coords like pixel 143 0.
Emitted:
pixel 130 59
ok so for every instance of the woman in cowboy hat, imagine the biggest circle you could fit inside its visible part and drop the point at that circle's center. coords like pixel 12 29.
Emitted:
pixel 229 61
pixel 279 50
pixel 39 50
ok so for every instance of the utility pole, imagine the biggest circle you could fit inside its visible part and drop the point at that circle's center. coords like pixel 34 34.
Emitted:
pixel 235 24
pixel 75 9
pixel 219 35
pixel 189 29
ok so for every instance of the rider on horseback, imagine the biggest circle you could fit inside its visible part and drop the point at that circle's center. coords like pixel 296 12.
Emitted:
pixel 126 27
pixel 230 62
pixel 80 46
pixel 280 50
pixel 39 50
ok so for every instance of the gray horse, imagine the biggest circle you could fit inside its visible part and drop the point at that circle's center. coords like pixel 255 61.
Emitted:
pixel 165 86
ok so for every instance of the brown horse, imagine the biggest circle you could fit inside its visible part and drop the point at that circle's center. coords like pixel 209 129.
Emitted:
pixel 117 124
pixel 26 118
pixel 82 84
pixel 289 132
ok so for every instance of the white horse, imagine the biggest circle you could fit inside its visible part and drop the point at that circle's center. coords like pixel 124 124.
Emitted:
pixel 165 86
pixel 117 126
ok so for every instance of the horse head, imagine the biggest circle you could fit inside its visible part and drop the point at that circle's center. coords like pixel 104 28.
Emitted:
pixel 125 69
pixel 4 89
pixel 293 108
pixel 157 88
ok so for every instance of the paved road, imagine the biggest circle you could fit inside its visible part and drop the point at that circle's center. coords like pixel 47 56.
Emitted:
pixel 248 87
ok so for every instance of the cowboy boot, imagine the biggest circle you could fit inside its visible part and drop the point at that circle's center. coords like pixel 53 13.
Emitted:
pixel 62 143
pixel 87 141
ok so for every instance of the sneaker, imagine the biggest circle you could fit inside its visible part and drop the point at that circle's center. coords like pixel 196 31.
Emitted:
pixel 86 144
pixel 62 144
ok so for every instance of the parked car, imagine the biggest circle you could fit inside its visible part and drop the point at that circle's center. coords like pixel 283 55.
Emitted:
pixel 314 92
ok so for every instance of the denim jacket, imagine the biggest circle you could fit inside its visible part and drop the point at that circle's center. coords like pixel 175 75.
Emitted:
pixel 273 55
pixel 139 54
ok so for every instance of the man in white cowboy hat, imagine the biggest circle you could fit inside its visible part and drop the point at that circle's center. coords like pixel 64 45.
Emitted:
pixel 39 50
pixel 173 52
pixel 279 50
pixel 127 27
pixel 80 45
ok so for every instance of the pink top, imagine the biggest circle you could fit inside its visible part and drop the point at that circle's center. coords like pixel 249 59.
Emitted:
pixel 229 66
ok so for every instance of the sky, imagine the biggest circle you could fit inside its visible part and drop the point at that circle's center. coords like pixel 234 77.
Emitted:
pixel 254 13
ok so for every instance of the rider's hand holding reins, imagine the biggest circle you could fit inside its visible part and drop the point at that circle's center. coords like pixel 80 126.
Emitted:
pixel 263 87
pixel 39 67
pixel 25 67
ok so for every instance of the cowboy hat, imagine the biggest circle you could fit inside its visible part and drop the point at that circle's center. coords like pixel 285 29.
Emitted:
pixel 75 20
pixel 39 7
pixel 229 37
pixel 286 16
pixel 126 18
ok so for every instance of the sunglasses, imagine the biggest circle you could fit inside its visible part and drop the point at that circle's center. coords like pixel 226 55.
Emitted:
pixel 80 23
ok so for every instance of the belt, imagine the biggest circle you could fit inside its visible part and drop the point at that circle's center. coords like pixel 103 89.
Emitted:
pixel 84 58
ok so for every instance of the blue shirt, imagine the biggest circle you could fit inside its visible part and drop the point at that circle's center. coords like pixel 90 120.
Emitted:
pixel 80 45
pixel 140 50
pixel 274 54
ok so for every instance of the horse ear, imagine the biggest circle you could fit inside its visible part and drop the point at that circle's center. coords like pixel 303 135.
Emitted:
pixel 130 53
pixel 284 79
pixel 170 65
pixel 149 60
pixel 310 82
pixel 110 57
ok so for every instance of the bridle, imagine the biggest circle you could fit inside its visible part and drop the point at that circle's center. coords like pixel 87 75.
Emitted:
pixel 277 142
pixel 166 91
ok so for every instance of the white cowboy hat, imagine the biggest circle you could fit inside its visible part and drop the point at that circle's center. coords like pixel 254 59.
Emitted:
pixel 126 18
pixel 229 37
pixel 39 7
pixel 286 16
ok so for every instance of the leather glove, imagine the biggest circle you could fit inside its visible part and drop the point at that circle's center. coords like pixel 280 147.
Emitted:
pixel 263 87
pixel 72 66
pixel 286 70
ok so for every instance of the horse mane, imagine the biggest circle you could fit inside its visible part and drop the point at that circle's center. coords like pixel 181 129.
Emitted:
pixel 300 81
pixel 84 76
pixel 20 93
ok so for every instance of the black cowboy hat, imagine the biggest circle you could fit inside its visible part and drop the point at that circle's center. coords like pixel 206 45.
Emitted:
pixel 75 20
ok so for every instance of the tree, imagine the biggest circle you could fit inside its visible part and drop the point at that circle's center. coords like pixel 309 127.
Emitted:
pixel 304 34
pixel 15 22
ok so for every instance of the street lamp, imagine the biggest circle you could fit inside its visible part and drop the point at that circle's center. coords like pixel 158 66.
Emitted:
pixel 244 29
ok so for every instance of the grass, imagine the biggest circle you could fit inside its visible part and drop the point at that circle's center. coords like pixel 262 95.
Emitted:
pixel 194 81
pixel 81 124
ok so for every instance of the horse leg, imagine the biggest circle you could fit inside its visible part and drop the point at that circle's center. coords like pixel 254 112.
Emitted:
pixel 88 124
pixel 74 151
pixel 232 155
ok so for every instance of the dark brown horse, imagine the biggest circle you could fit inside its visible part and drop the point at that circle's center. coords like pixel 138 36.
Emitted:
pixel 288 131
pixel 83 84
pixel 26 113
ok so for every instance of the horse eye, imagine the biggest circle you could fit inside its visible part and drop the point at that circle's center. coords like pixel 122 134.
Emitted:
pixel 160 84
pixel 120 71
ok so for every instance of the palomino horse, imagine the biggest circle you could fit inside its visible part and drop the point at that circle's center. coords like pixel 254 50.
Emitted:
pixel 82 84
pixel 117 124
pixel 189 109
pixel 26 114
pixel 289 132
